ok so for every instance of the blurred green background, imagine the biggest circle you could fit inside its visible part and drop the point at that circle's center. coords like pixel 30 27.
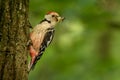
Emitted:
pixel 86 46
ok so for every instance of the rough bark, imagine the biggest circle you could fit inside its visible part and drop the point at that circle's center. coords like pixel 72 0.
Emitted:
pixel 13 39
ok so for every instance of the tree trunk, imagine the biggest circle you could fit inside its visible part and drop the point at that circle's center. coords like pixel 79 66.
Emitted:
pixel 105 39
pixel 14 30
pixel 111 7
pixel 104 45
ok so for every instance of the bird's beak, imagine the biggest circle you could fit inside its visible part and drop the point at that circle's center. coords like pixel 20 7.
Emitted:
pixel 61 18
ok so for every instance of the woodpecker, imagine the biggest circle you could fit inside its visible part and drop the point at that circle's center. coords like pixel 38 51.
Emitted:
pixel 41 36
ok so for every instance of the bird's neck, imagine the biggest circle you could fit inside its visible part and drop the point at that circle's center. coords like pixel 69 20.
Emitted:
pixel 52 23
pixel 45 20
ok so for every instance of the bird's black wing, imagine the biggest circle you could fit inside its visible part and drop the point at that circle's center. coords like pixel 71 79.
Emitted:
pixel 47 40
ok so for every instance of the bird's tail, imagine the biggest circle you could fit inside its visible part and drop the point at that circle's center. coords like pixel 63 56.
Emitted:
pixel 36 58
pixel 33 62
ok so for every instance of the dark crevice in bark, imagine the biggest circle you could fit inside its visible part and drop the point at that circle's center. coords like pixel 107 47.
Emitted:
pixel 14 72
pixel 2 70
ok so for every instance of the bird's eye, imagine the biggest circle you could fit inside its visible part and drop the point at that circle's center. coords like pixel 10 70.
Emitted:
pixel 53 15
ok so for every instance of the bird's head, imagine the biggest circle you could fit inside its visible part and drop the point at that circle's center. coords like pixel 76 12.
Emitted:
pixel 54 17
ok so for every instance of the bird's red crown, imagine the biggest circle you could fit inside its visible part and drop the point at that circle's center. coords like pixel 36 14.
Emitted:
pixel 52 12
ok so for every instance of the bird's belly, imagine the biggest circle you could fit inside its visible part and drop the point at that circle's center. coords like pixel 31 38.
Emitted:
pixel 37 39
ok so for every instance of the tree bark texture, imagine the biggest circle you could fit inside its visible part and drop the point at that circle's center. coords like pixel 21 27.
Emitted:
pixel 13 38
